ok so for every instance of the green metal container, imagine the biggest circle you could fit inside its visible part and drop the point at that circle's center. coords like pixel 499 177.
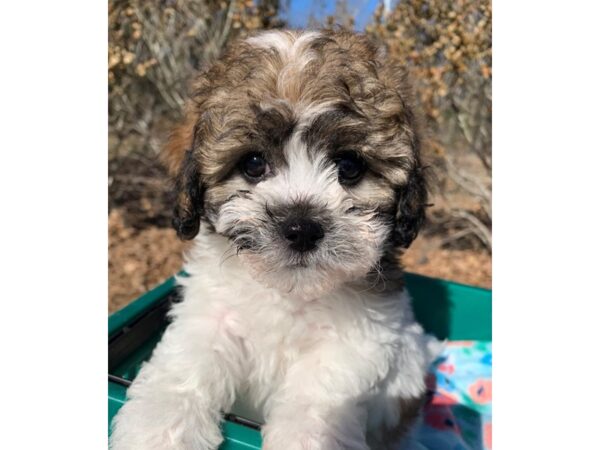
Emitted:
pixel 448 310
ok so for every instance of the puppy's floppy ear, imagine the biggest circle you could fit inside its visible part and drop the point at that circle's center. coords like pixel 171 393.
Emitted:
pixel 410 210
pixel 413 193
pixel 181 161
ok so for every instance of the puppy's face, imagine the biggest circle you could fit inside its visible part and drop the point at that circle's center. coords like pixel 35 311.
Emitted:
pixel 302 150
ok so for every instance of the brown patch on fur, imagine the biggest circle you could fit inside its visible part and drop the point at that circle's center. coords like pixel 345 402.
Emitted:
pixel 180 140
pixel 410 410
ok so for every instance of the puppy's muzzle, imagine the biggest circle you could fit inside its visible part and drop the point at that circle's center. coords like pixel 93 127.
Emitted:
pixel 302 234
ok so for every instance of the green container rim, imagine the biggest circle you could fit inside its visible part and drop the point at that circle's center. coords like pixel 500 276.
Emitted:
pixel 137 307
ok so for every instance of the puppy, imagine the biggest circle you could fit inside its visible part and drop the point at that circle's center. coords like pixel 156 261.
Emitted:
pixel 299 155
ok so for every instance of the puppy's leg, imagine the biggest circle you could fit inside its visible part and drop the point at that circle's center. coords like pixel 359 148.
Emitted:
pixel 321 404
pixel 397 410
pixel 176 400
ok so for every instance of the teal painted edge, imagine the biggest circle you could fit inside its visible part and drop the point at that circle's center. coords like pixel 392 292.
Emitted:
pixel 240 437
pixel 122 317
pixel 116 398
pixel 450 310
pixel 475 289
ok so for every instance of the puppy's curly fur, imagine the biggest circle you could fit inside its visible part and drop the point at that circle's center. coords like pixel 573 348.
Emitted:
pixel 322 343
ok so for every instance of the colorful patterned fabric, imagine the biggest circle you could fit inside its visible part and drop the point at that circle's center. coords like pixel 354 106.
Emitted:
pixel 458 415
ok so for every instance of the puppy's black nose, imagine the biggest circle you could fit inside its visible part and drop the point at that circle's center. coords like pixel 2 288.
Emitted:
pixel 302 234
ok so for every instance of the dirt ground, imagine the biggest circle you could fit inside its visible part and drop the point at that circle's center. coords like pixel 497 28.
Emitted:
pixel 140 258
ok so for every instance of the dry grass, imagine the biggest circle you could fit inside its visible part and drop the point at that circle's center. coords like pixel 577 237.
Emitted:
pixel 154 48
pixel 448 47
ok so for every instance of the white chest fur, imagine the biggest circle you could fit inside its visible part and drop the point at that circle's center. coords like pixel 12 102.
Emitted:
pixel 324 373
pixel 271 331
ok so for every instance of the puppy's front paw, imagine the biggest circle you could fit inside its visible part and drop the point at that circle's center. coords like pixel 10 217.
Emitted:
pixel 139 426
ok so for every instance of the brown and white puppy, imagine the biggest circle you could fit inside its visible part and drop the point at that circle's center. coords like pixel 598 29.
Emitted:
pixel 300 157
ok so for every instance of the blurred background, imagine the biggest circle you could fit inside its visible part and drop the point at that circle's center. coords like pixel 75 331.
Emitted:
pixel 155 47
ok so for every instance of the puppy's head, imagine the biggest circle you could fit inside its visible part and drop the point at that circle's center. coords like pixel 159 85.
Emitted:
pixel 302 149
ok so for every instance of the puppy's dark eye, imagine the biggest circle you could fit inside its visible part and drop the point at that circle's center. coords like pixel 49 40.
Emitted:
pixel 351 168
pixel 254 166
